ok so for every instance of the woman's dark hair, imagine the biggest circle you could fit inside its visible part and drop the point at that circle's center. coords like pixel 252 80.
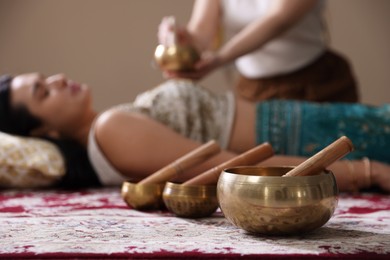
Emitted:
pixel 79 171
pixel 15 120
pixel 19 121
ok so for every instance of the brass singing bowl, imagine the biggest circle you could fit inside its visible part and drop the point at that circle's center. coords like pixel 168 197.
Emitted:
pixel 176 57
pixel 192 201
pixel 259 200
pixel 143 196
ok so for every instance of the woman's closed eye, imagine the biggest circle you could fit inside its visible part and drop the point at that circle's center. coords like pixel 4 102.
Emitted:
pixel 40 90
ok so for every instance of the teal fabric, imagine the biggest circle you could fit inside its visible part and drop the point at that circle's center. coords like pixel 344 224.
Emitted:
pixel 304 128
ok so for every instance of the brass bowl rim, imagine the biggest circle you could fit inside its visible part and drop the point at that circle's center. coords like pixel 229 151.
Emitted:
pixel 229 175
pixel 129 183
pixel 198 191
pixel 181 186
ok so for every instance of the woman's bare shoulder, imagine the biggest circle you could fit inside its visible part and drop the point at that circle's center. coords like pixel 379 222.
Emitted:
pixel 119 135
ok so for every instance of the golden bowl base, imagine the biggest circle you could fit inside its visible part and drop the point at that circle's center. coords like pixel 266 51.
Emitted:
pixel 193 201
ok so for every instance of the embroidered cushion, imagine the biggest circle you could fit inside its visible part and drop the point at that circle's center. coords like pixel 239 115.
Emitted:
pixel 27 162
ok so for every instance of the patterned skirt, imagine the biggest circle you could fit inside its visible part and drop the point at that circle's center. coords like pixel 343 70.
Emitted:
pixel 304 128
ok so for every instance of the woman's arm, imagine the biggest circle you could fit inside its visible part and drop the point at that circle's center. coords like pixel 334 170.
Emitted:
pixel 204 23
pixel 138 146
pixel 351 175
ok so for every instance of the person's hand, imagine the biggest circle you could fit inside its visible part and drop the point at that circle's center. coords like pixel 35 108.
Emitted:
pixel 208 63
pixel 169 33
pixel 380 175
pixel 165 31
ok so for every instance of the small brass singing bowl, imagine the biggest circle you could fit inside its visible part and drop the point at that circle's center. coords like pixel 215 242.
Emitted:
pixel 192 201
pixel 176 57
pixel 143 196
pixel 259 200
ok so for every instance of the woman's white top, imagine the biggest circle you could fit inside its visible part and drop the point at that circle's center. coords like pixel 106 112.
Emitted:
pixel 188 109
pixel 292 50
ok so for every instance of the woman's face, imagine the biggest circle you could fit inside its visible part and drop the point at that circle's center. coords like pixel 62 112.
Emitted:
pixel 59 102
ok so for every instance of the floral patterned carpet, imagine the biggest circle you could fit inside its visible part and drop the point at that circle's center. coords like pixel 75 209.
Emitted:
pixel 97 223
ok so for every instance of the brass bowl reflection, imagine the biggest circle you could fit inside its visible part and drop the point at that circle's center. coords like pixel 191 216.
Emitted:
pixel 192 201
pixel 143 196
pixel 176 57
pixel 259 200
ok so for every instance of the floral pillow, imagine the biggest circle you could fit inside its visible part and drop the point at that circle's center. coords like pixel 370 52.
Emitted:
pixel 27 162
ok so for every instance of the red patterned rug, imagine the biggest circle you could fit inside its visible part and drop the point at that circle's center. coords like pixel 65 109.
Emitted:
pixel 98 224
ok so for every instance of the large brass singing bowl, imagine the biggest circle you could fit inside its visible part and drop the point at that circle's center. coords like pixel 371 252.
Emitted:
pixel 260 201
pixel 176 57
pixel 192 201
pixel 143 196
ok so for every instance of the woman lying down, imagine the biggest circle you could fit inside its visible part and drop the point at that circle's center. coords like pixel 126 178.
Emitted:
pixel 133 140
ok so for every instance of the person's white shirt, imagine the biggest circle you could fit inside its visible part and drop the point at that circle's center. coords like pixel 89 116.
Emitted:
pixel 292 50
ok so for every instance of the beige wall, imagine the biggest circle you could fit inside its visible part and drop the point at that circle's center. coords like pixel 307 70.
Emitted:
pixel 360 29
pixel 109 43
